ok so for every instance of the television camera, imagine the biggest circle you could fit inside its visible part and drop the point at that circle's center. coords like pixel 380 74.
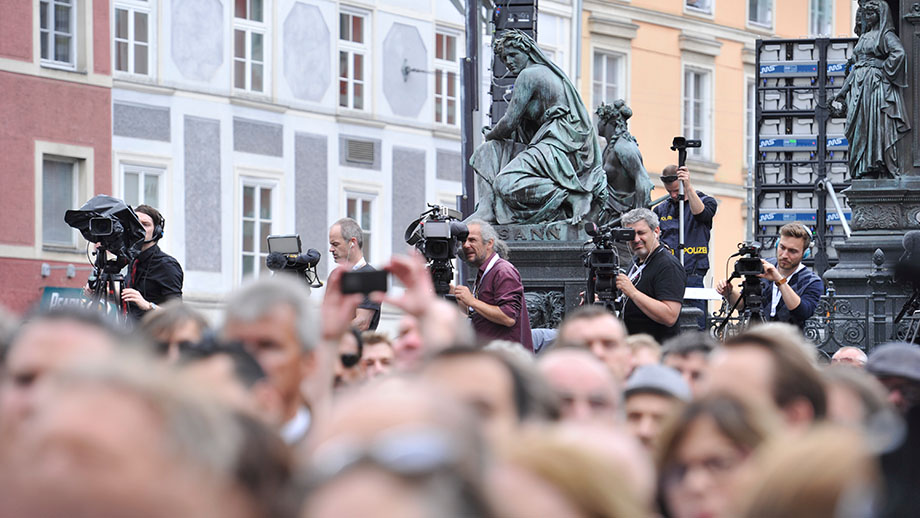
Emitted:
pixel 438 234
pixel 603 262
pixel 112 224
pixel 284 255
pixel 748 267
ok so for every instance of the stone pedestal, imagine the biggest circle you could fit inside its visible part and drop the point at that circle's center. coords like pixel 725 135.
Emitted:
pixel 883 211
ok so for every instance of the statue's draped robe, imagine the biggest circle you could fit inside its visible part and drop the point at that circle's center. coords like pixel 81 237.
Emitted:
pixel 623 156
pixel 534 173
pixel 877 120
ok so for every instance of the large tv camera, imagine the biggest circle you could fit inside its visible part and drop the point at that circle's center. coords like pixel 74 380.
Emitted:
pixel 748 267
pixel 284 255
pixel 114 225
pixel 438 234
pixel 603 262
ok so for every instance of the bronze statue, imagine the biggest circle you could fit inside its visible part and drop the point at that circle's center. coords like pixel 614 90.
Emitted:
pixel 628 184
pixel 541 161
pixel 871 97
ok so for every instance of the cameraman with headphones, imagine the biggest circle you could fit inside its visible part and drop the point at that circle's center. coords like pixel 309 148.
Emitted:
pixel 790 290
pixel 154 276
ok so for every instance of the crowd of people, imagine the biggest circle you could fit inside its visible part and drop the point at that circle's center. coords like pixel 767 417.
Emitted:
pixel 284 408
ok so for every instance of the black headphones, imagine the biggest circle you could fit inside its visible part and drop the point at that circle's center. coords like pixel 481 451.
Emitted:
pixel 158 229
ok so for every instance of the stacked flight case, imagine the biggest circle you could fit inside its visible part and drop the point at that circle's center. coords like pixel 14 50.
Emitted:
pixel 508 14
pixel 800 146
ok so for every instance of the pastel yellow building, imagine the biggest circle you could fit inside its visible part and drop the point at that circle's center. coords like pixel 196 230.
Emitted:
pixel 686 67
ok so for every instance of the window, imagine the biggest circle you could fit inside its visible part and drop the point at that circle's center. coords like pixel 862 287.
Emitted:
pixel 697 109
pixel 141 185
pixel 60 189
pixel 132 38
pixel 360 207
pixel 446 74
pixel 257 220
pixel 607 78
pixel 749 122
pixel 703 6
pixel 352 60
pixel 57 30
pixel 821 17
pixel 760 12
pixel 249 46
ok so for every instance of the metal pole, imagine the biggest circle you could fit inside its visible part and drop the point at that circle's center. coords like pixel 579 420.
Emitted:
pixel 469 102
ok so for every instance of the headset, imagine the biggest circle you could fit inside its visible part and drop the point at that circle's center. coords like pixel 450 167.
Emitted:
pixel 158 227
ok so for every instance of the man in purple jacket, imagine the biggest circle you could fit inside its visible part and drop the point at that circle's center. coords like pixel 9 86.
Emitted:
pixel 496 303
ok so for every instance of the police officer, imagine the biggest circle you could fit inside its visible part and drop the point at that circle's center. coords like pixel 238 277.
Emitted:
pixel 699 209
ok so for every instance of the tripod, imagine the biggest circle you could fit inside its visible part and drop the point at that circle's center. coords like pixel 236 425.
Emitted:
pixel 107 286
pixel 752 312
pixel 912 307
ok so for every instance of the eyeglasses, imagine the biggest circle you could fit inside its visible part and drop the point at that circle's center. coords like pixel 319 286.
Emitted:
pixel 716 467
pixel 408 453
pixel 349 360
pixel 183 346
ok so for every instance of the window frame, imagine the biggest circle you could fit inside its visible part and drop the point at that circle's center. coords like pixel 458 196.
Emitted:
pixel 144 170
pixel 73 244
pixel 708 12
pixel 621 74
pixel 442 70
pixel 362 195
pixel 812 17
pixel 50 35
pixel 705 152
pixel 134 6
pixel 250 27
pixel 751 22
pixel 258 182
pixel 352 48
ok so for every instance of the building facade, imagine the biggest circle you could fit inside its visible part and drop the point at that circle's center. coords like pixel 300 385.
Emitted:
pixel 686 67
pixel 239 119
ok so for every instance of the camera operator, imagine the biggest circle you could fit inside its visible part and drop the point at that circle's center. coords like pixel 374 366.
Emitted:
pixel 790 290
pixel 154 276
pixel 698 213
pixel 655 285
pixel 496 304
pixel 346 244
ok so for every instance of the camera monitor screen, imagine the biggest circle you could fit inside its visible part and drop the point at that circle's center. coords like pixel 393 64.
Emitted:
pixel 437 229
pixel 289 244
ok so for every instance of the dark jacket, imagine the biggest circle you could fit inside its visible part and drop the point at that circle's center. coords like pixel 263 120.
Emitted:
pixel 156 275
pixel 806 284
pixel 697 228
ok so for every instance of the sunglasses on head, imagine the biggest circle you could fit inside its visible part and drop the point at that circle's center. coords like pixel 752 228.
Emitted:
pixel 669 179
pixel 349 360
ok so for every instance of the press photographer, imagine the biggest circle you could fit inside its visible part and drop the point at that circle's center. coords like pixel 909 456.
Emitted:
pixel 655 284
pixel 789 290
pixel 154 276
pixel 603 263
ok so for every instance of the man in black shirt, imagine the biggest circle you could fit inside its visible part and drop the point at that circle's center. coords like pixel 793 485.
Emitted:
pixel 154 276
pixel 346 244
pixel 654 287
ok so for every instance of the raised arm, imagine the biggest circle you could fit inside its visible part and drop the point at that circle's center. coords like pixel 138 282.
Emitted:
pixel 523 92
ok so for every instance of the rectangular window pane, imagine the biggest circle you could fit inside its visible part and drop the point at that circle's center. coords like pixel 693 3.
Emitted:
pixel 598 67
pixel 62 48
pixel 152 190
pixel 451 84
pixel 255 10
pixel 131 189
pixel 438 78
pixel 439 46
pixel 249 202
pixel 240 10
pixel 359 96
pixel 239 43
pixel 266 230
pixel 265 205
pixel 451 111
pixel 359 67
pixel 343 65
pixel 357 29
pixel 45 51
pixel 351 208
pixel 256 78
pixel 43 15
pixel 451 48
pixel 57 196
pixel 343 93
pixel 256 47
pixel 121 24
pixel 249 228
pixel 140 59
pixel 248 262
pixel 611 70
pixel 239 74
pixel 62 19
pixel 366 214
pixel 140 27
pixel 121 56
pixel 438 109
pixel 344 26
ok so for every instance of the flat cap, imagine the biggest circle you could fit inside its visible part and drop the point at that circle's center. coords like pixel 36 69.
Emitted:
pixel 895 359
pixel 658 379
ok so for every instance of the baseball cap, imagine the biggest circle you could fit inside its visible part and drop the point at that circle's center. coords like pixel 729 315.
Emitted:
pixel 895 359
pixel 660 379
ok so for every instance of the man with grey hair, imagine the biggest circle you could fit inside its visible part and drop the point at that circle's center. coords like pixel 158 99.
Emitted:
pixel 346 244
pixel 850 355
pixel 654 286
pixel 496 303
pixel 274 321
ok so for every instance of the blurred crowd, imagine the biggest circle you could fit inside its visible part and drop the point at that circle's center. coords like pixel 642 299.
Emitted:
pixel 282 409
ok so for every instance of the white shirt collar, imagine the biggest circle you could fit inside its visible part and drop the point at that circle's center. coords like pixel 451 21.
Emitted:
pixel 776 296
pixel 360 264
pixel 296 428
